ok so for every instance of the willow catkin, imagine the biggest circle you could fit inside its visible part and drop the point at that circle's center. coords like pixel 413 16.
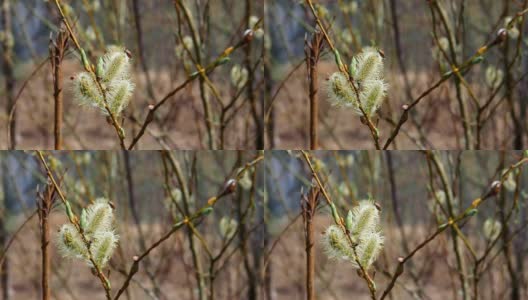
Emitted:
pixel 100 240
pixel 336 245
pixel 114 65
pixel 364 219
pixel 103 247
pixel 494 77
pixel 120 93
pixel 98 217
pixel 373 94
pixel 513 31
pixel 86 91
pixel 113 83
pixel 366 81
pixel 70 243
pixel 339 91
pixel 239 76
pixel 510 183
pixel 367 65
pixel 362 224
pixel 369 248
pixel 492 228
pixel 228 227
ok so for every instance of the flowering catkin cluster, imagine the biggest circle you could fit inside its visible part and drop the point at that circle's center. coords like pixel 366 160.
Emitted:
pixel 366 71
pixel 113 74
pixel 362 224
pixel 97 226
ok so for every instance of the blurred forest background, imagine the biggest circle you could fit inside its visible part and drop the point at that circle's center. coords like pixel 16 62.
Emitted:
pixel 154 33
pixel 410 33
pixel 252 244
pixel 222 256
pixel 409 191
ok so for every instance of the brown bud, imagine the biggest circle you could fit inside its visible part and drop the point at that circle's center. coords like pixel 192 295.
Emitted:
pixel 501 36
pixel 405 114
pixel 229 186
pixel 495 188
pixel 248 35
pixel 399 269
pixel 150 115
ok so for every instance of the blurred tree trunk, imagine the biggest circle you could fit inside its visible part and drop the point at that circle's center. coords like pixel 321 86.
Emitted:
pixel 5 266
pixel 269 124
pixel 245 243
pixel 523 91
pixel 245 252
pixel 519 245
pixel 508 85
pixel 267 272
pixel 7 66
pixel 399 48
pixel 141 53
pixel 4 269
pixel 256 106
pixel 507 251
